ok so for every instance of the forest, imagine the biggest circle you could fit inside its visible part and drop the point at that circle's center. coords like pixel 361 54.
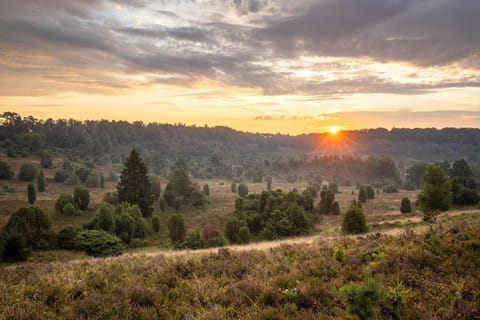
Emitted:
pixel 223 152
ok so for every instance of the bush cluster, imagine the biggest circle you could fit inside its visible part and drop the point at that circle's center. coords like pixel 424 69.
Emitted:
pixel 181 191
pixel 270 215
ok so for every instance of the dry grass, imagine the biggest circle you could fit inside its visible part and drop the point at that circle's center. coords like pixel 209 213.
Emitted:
pixel 432 275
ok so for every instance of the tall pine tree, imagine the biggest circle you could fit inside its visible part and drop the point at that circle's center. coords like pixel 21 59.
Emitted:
pixel 41 183
pixel 32 196
pixel 134 186
pixel 436 195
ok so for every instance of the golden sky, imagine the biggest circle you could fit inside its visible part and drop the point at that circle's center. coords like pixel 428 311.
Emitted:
pixel 254 65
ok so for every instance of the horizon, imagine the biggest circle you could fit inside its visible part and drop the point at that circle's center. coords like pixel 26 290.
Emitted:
pixel 329 131
pixel 252 65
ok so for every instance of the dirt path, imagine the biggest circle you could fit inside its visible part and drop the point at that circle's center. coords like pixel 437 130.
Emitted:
pixel 309 240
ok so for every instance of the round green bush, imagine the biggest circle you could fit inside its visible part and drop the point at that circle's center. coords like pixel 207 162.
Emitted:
pixel 98 243
pixel 14 248
pixel 66 237
pixel 27 172
pixel 69 210
pixel 405 206
pixel 62 200
pixel 244 235
pixel 354 221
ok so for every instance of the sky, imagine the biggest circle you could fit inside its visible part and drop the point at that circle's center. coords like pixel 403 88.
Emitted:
pixel 254 65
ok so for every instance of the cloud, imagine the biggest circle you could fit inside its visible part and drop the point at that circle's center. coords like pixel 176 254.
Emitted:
pixel 103 46
pixel 430 32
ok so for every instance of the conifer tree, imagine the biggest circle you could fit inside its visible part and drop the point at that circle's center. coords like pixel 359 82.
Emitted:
pixel 134 186
pixel 354 221
pixel 81 197
pixel 41 183
pixel 362 195
pixel 32 196
pixel 436 195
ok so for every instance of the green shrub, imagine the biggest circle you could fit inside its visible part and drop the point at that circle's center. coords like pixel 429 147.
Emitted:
pixel 90 164
pixel 335 208
pixel 156 224
pixel 98 243
pixel 176 228
pixel 354 221
pixel 214 242
pixel 465 196
pixel 206 190
pixel 333 187
pixel 370 192
pixel 32 223
pixel 193 241
pixel 111 198
pixel 60 176
pixel 66 237
pixel 242 190
pixel 62 200
pixel 327 198
pixel 162 205
pixel 104 218
pixel 31 194
pixel 244 235
pixel 198 199
pixel 46 161
pixel 339 253
pixel 14 248
pixel 232 228
pixel 124 227
pixel 362 194
pixel 81 197
pixel 390 189
pixel 141 228
pixel 69 210
pixel 405 206
pixel 102 181
pixel 112 177
pixel 27 172
pixel 92 181
pixel 155 187
pixel 41 182
pixel 363 300
pixel 5 172
pixel 82 174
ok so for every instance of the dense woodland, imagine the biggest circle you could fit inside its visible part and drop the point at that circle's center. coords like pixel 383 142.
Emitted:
pixel 223 152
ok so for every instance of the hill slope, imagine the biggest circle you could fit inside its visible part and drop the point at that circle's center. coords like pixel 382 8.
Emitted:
pixel 431 275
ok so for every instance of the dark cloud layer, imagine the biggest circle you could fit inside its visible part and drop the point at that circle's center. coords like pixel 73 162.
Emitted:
pixel 67 41
pixel 429 32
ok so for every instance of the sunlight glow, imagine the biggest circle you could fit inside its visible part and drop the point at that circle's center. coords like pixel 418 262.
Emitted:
pixel 333 130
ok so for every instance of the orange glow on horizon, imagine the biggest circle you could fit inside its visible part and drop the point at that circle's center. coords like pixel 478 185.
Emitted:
pixel 336 141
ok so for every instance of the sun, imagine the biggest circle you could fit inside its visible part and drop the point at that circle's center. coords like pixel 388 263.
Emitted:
pixel 333 130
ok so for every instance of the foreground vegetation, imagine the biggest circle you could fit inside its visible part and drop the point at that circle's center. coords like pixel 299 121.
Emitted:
pixel 432 275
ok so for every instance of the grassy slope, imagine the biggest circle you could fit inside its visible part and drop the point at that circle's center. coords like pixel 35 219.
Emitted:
pixel 432 275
